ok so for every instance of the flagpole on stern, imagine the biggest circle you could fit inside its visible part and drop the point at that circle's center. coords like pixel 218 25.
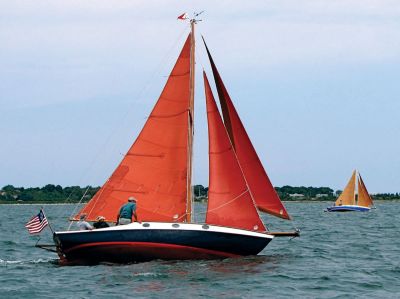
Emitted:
pixel 48 222
pixel 36 226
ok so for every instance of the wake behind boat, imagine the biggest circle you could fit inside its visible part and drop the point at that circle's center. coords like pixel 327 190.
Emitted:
pixel 347 202
pixel 157 170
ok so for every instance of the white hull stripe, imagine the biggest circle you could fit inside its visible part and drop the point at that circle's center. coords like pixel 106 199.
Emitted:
pixel 176 226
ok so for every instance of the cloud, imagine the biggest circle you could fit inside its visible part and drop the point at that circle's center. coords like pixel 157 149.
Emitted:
pixel 73 55
pixel 82 49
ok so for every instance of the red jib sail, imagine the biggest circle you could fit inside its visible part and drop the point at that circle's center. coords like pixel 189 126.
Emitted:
pixel 155 169
pixel 257 179
pixel 229 199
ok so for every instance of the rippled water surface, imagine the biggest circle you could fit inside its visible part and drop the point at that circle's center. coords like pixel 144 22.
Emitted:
pixel 339 255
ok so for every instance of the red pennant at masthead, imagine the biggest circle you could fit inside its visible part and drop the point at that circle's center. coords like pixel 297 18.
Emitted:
pixel 183 17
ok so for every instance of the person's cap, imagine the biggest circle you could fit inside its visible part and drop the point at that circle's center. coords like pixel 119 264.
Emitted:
pixel 131 198
pixel 82 216
pixel 100 218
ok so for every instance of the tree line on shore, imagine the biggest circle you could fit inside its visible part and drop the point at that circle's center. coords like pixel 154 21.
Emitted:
pixel 57 194
pixel 47 194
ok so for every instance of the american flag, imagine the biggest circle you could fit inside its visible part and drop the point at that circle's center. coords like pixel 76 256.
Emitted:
pixel 37 223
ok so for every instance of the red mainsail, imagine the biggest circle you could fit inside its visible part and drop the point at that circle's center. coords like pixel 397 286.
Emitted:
pixel 263 192
pixel 229 199
pixel 155 169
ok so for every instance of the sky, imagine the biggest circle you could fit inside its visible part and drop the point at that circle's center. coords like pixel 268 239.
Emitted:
pixel 315 83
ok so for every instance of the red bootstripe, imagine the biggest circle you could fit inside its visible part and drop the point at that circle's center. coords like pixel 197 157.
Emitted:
pixel 156 245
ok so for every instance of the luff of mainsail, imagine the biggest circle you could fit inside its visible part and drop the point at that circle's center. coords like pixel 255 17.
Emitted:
pixel 264 194
pixel 155 168
pixel 229 199
pixel 364 199
pixel 189 196
pixel 348 195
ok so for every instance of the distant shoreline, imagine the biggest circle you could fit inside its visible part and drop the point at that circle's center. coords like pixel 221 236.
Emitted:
pixel 203 201
pixel 34 203
pixel 56 194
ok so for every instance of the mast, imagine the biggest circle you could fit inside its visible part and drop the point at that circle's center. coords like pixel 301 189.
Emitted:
pixel 191 124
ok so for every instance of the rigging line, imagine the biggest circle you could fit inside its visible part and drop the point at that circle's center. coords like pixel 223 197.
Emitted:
pixel 192 184
pixel 244 177
pixel 58 214
pixel 202 52
pixel 76 206
pixel 97 199
pixel 191 119
pixel 150 81
pixel 251 195
pixel 199 58
pixel 183 216
pixel 189 173
pixel 139 95
pixel 69 196
pixel 154 211
pixel 223 205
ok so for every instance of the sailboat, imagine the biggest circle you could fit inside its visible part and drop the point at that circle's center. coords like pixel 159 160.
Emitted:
pixel 157 171
pixel 347 202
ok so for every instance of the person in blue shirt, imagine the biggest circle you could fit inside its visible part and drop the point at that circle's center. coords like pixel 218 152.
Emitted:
pixel 127 211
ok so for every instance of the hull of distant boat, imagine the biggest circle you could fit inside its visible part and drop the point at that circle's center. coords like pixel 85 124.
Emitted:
pixel 139 242
pixel 348 208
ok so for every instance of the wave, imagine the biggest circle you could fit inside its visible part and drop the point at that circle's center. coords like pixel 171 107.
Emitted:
pixel 147 274
pixel 26 262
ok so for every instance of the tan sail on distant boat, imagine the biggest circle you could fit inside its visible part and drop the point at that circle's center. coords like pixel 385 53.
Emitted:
pixel 347 202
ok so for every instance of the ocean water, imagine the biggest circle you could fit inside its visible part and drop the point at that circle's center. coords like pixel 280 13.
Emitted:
pixel 339 255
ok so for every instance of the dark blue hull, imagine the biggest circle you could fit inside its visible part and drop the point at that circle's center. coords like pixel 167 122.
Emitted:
pixel 348 209
pixel 137 245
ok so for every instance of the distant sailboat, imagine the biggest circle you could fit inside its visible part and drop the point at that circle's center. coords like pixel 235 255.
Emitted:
pixel 157 170
pixel 347 202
